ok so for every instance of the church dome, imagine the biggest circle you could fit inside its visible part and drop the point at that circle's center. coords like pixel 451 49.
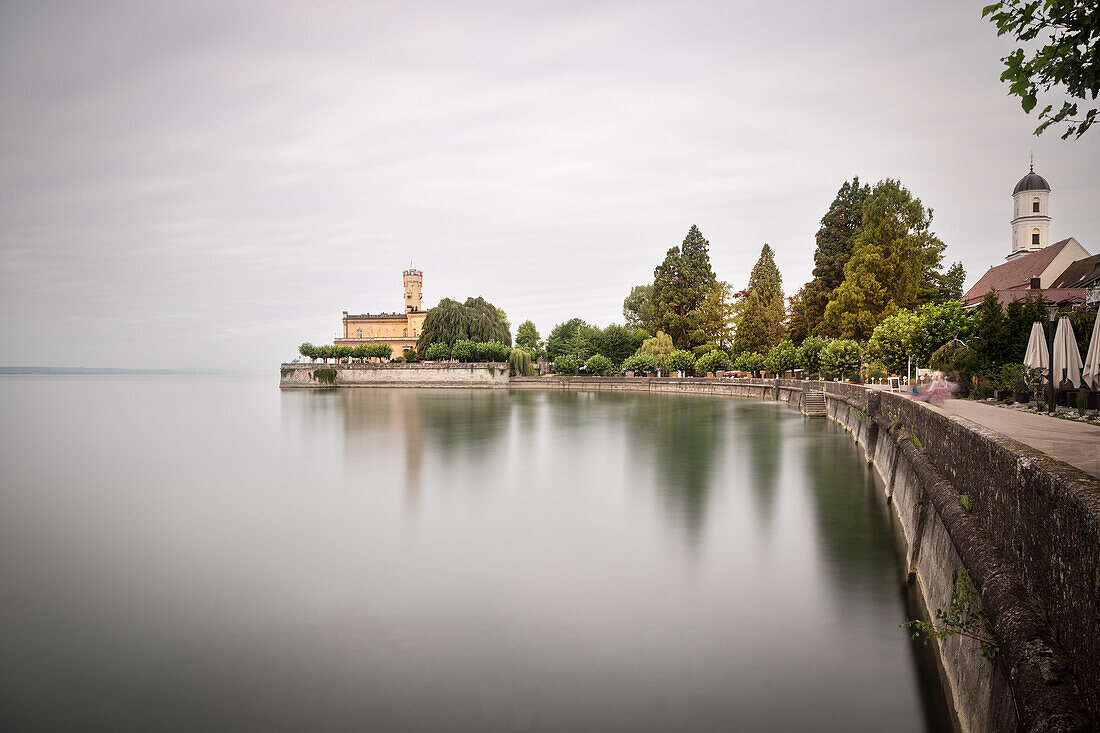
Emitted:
pixel 1031 182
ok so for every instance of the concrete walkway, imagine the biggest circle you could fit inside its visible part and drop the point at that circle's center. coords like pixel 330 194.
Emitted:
pixel 1075 443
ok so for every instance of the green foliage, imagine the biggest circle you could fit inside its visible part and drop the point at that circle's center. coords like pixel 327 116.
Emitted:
pixel 918 333
pixel 475 320
pixel 840 359
pixel 749 361
pixel 658 347
pixel 782 358
pixel 1082 401
pixel 325 376
pixel 520 362
pixel 809 354
pixel 680 361
pixel 964 617
pixel 1012 377
pixel 964 499
pixel 437 352
pixel 681 284
pixel 560 340
pixel 894 257
pixel 835 240
pixel 464 350
pixel 308 350
pixel 639 310
pixel 528 337
pixel 1020 315
pixel 761 311
pixel 640 364
pixel 491 351
pixel 713 362
pixel 412 357
pixel 565 364
pixel 949 285
pixel 1069 61
pixel 992 337
pixel 599 365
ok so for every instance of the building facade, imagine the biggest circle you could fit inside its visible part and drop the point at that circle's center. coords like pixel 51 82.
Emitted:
pixel 399 330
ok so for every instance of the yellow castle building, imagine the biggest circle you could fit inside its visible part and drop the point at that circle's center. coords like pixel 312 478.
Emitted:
pixel 399 330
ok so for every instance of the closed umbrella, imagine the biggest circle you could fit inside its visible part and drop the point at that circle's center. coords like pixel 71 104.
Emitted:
pixel 1091 375
pixel 1066 355
pixel 1037 356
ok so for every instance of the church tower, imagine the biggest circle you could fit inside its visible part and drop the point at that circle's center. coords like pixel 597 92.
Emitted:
pixel 414 283
pixel 1031 214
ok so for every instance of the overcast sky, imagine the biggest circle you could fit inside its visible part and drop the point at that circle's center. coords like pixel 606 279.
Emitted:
pixel 196 184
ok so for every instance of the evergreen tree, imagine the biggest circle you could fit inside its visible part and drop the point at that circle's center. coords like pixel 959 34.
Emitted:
pixel 991 338
pixel 760 323
pixel 1020 315
pixel 835 241
pixel 680 286
pixel 895 254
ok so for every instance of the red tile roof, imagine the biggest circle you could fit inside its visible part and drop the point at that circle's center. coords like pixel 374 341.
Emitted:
pixel 1015 273
pixel 1081 274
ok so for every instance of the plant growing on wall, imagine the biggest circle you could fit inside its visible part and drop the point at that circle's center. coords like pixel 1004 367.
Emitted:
pixel 964 617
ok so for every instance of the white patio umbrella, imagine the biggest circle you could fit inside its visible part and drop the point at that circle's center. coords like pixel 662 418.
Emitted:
pixel 1091 375
pixel 1037 356
pixel 1066 354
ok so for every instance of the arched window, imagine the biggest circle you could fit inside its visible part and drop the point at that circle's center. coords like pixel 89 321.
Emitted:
pixel 1035 237
pixel 1035 205
pixel 359 331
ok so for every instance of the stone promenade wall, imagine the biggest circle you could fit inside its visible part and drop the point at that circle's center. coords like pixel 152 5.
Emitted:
pixel 315 376
pixel 1030 543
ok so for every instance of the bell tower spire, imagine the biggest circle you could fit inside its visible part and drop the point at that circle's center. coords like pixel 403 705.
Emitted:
pixel 1030 212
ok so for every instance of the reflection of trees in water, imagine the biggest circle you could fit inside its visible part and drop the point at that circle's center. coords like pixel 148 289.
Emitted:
pixel 762 435
pixel 683 435
pixel 853 534
pixel 463 420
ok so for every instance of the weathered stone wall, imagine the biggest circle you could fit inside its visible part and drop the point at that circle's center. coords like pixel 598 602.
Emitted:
pixel 1030 543
pixel 491 376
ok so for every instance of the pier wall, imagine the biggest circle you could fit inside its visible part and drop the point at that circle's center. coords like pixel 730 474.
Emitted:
pixel 437 375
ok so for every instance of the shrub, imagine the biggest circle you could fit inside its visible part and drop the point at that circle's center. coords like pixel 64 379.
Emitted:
pixel 463 350
pixel 437 352
pixel 599 364
pixel 412 357
pixel 781 358
pixel 564 364
pixel 713 361
pixel 1011 378
pixel 840 358
pixel 520 362
pixel 809 354
pixel 749 361
pixel 640 363
pixel 680 361
pixel 491 351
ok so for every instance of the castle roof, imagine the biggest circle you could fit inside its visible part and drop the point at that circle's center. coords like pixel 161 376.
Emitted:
pixel 1031 182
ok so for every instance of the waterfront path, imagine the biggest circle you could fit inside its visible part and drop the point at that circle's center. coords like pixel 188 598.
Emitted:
pixel 1075 443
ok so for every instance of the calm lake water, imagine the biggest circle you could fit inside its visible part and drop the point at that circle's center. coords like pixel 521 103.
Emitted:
pixel 185 553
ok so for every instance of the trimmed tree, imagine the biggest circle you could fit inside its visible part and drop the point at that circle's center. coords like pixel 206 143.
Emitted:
pixel 640 363
pixel 437 352
pixel 680 361
pixel 840 358
pixel 599 365
pixel 713 362
pixel 782 357
pixel 564 364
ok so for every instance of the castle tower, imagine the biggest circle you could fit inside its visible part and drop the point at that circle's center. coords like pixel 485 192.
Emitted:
pixel 414 283
pixel 1031 214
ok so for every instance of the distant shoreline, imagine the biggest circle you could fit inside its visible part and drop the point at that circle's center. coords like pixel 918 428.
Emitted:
pixel 109 371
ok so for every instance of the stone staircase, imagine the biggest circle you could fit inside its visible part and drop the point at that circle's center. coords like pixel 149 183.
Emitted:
pixel 813 403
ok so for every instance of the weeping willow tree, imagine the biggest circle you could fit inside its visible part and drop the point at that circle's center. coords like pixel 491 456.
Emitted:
pixel 520 362
pixel 475 320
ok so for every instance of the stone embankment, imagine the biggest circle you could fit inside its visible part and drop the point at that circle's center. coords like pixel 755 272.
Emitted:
pixel 317 375
pixel 1028 533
